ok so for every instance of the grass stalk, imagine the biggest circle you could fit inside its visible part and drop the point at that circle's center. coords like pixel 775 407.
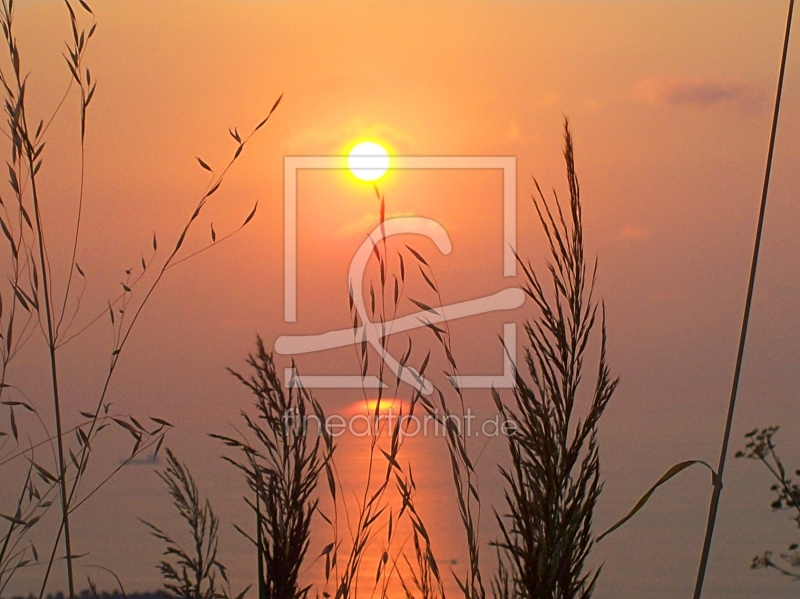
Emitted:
pixel 40 307
pixel 553 483
pixel 281 467
pixel 715 496
pixel 192 573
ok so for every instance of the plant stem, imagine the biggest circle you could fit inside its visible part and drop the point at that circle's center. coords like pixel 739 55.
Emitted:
pixel 712 512
pixel 51 343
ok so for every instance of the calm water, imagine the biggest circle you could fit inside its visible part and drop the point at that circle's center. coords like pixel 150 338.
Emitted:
pixel 653 556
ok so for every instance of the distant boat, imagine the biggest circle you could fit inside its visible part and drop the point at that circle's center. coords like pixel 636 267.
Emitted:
pixel 151 461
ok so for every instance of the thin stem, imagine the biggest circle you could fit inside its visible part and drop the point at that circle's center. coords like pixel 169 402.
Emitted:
pixel 51 343
pixel 715 497
pixel 77 230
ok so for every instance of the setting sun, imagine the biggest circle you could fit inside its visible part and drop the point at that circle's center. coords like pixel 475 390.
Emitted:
pixel 370 406
pixel 368 161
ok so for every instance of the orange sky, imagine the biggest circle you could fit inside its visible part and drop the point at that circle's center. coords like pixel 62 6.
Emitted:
pixel 670 105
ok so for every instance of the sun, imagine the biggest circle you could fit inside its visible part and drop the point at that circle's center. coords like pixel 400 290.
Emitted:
pixel 368 161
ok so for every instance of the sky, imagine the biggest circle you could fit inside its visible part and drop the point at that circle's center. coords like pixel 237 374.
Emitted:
pixel 670 104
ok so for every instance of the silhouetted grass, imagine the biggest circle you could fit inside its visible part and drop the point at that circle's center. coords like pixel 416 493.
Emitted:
pixel 465 478
pixel 33 305
pixel 553 483
pixel 373 509
pixel 281 465
pixel 190 573
pixel 425 578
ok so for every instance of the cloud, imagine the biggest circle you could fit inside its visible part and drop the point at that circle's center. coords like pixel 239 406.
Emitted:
pixel 550 99
pixel 361 226
pixel 698 92
pixel 365 225
pixel 330 140
pixel 631 232
pixel 515 134
pixel 593 105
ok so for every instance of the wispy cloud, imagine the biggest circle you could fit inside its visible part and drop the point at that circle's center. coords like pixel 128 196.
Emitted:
pixel 631 232
pixel 365 225
pixel 329 140
pixel 516 135
pixel 697 92
pixel 550 99
pixel 361 226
